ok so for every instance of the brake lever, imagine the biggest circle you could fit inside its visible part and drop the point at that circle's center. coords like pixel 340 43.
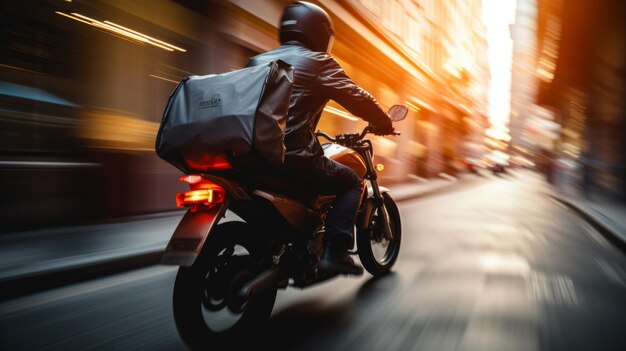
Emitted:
pixel 364 132
pixel 328 137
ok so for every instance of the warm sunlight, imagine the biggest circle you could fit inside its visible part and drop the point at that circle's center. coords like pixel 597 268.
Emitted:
pixel 498 15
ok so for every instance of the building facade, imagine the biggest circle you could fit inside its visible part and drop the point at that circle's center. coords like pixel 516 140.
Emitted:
pixel 580 65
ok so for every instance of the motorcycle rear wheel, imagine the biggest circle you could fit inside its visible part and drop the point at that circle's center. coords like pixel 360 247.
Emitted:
pixel 201 292
pixel 377 254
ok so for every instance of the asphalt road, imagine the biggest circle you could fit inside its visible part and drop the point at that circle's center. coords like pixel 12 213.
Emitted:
pixel 495 266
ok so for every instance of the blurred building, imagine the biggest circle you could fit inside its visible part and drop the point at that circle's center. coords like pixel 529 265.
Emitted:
pixel 84 85
pixel 430 55
pixel 524 81
pixel 455 50
pixel 83 92
pixel 532 127
pixel 582 45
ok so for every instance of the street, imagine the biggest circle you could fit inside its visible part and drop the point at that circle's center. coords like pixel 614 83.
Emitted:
pixel 498 265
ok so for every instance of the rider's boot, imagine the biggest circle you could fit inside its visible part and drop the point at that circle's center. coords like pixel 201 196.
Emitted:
pixel 336 259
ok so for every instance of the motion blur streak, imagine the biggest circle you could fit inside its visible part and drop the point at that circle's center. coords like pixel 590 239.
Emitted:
pixel 125 33
pixel 145 36
pixel 116 28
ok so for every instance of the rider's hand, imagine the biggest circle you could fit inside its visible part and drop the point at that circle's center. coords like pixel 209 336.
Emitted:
pixel 381 130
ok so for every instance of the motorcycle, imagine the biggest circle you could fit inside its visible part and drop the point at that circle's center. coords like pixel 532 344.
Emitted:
pixel 230 270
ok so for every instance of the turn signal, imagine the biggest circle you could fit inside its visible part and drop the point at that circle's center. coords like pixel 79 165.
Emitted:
pixel 380 167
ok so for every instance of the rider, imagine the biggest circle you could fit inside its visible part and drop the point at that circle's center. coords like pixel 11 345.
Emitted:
pixel 306 35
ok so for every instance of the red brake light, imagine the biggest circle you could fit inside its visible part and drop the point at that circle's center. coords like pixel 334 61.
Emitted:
pixel 203 192
pixel 209 162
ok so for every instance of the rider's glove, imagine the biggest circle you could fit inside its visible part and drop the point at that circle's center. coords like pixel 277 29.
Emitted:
pixel 382 130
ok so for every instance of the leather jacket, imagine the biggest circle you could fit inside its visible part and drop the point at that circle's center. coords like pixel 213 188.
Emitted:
pixel 318 77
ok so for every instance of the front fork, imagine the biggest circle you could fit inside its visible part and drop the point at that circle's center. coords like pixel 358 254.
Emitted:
pixel 379 201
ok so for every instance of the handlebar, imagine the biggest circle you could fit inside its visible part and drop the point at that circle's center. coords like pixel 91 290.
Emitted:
pixel 351 137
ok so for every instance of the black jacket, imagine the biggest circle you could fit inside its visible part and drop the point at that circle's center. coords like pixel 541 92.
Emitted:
pixel 318 77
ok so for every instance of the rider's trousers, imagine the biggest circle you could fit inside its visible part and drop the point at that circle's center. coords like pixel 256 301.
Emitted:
pixel 328 177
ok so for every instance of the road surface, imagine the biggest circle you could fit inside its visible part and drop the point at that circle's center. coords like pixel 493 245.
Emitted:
pixel 494 266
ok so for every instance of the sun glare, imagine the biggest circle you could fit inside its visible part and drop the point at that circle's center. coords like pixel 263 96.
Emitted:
pixel 498 15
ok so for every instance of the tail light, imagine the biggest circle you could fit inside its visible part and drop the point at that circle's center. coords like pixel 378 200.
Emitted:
pixel 203 192
pixel 380 167
pixel 207 163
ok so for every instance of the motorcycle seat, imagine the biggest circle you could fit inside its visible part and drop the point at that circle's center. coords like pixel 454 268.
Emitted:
pixel 281 187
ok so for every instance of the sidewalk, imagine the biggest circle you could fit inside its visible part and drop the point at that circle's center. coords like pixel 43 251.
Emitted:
pixel 51 257
pixel 608 218
pixel 42 259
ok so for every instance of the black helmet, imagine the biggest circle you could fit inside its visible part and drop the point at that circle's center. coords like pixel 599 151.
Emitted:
pixel 308 24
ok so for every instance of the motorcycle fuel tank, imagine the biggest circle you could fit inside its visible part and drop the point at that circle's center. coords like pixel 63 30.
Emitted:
pixel 347 157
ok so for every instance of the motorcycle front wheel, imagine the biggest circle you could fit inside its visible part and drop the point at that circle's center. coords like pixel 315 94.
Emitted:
pixel 377 254
pixel 205 292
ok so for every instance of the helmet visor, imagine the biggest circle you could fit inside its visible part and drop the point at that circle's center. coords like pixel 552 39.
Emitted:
pixel 331 40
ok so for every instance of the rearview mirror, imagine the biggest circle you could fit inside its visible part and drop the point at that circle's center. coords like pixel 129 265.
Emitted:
pixel 398 112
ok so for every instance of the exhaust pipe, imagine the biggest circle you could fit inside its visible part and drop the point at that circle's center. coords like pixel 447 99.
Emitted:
pixel 264 281
pixel 239 298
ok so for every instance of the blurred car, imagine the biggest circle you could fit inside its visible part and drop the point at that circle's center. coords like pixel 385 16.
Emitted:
pixel 497 161
pixel 466 165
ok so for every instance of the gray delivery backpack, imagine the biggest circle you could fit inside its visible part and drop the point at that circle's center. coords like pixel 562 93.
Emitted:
pixel 224 121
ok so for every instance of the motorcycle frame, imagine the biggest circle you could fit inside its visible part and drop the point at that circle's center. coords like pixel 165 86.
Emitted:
pixel 191 234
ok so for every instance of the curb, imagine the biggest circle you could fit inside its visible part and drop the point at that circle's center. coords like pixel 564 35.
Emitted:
pixel 595 220
pixel 44 280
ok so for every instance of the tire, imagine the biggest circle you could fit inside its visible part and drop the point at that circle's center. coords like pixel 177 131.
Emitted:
pixel 198 289
pixel 373 239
